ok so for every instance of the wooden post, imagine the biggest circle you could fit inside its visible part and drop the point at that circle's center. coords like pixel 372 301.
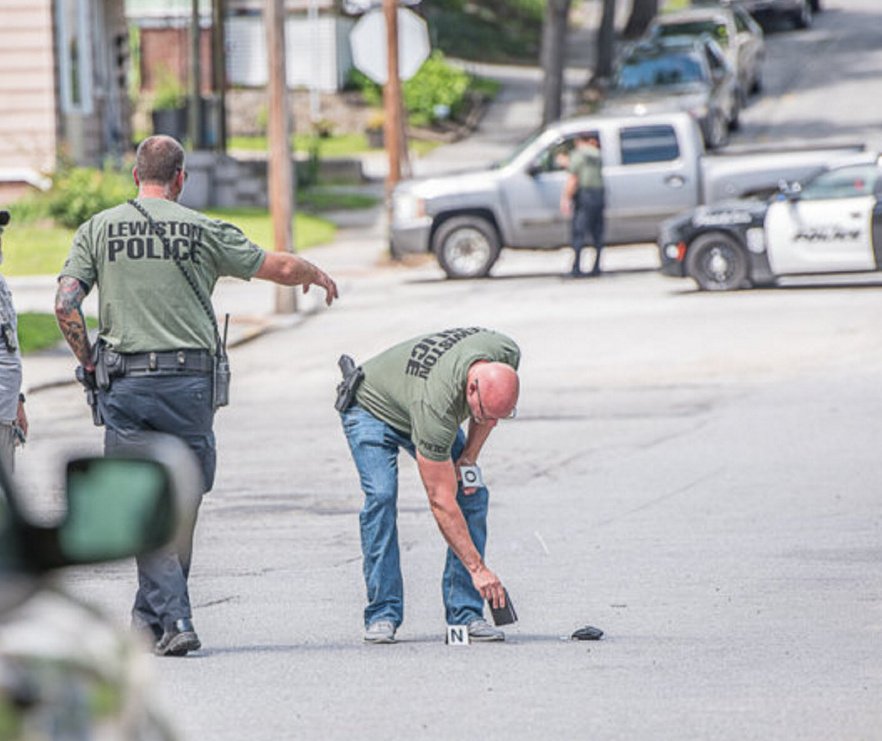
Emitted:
pixel 219 72
pixel 194 120
pixel 279 166
pixel 392 104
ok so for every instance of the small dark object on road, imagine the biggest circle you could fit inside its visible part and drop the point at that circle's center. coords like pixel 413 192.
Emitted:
pixel 588 633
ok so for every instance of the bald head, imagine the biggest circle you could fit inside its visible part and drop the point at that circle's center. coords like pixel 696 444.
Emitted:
pixel 159 159
pixel 492 390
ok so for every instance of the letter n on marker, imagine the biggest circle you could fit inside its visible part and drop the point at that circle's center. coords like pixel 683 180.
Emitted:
pixel 457 635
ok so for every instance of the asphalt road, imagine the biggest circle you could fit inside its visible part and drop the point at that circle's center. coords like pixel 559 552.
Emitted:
pixel 696 474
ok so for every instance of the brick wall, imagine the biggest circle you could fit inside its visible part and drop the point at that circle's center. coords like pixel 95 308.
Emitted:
pixel 169 49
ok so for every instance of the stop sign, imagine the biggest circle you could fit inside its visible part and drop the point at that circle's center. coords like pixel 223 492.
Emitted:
pixel 368 42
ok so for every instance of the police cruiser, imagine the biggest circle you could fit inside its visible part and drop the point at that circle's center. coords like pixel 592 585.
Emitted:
pixel 830 224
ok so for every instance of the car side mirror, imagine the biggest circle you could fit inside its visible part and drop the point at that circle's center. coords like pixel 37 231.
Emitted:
pixel 117 507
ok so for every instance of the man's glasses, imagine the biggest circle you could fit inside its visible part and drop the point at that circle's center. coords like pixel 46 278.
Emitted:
pixel 486 417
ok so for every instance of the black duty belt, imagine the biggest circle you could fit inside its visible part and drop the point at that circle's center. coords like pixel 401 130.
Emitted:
pixel 168 362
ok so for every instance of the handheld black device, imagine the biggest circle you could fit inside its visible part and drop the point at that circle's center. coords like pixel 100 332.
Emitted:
pixel 504 615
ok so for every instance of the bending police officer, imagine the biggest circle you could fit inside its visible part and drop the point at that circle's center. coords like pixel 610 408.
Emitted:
pixel 414 396
pixel 157 340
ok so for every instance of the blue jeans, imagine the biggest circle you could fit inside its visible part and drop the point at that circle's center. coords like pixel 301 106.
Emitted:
pixel 375 446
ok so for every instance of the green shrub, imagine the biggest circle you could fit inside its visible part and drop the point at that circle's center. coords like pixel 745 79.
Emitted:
pixel 169 93
pixel 30 208
pixel 435 84
pixel 78 193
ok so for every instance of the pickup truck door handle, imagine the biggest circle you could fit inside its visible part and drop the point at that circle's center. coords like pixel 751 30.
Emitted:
pixel 855 214
pixel 675 181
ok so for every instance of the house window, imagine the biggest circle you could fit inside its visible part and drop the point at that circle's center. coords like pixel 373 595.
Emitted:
pixel 74 59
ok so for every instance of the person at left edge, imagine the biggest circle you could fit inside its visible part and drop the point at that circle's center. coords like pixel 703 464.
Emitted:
pixel 151 319
pixel 13 419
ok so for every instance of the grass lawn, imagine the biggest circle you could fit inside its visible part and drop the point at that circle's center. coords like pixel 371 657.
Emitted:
pixel 318 199
pixel 41 248
pixel 338 145
pixel 35 249
pixel 39 331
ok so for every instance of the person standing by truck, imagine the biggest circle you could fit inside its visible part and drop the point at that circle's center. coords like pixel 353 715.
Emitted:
pixel 583 198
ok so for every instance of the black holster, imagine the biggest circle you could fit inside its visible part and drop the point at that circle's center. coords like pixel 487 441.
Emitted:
pixel 352 377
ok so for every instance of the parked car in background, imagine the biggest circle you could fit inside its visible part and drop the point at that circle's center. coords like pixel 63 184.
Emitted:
pixel 66 672
pixel 831 224
pixel 732 27
pixel 654 166
pixel 798 12
pixel 679 74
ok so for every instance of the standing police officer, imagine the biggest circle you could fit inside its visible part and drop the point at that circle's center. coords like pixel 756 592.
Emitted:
pixel 155 354
pixel 583 197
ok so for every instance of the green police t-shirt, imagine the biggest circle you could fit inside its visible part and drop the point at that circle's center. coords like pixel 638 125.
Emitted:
pixel 145 303
pixel 586 164
pixel 419 386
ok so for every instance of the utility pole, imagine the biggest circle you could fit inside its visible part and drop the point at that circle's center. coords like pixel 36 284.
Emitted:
pixel 279 167
pixel 393 131
pixel 219 73
pixel 194 119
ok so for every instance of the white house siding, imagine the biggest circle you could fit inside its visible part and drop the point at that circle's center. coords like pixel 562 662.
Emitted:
pixel 27 89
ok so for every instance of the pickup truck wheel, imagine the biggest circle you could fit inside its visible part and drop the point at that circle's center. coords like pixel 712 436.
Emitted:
pixel 717 263
pixel 466 247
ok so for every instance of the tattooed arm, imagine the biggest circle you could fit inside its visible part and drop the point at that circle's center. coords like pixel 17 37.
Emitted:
pixel 69 315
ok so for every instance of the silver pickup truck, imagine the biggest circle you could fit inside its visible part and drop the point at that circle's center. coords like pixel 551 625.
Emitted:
pixel 654 166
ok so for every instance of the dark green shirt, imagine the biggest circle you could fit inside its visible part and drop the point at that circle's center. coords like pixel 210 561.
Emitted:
pixel 586 165
pixel 419 386
pixel 144 301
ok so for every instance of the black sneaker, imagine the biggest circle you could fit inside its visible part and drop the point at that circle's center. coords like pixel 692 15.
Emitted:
pixel 178 640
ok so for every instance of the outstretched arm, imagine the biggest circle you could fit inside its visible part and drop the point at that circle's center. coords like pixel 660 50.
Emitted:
pixel 439 478
pixel 69 315
pixel 292 270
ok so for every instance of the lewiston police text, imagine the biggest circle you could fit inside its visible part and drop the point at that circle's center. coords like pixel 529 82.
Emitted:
pixel 135 240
